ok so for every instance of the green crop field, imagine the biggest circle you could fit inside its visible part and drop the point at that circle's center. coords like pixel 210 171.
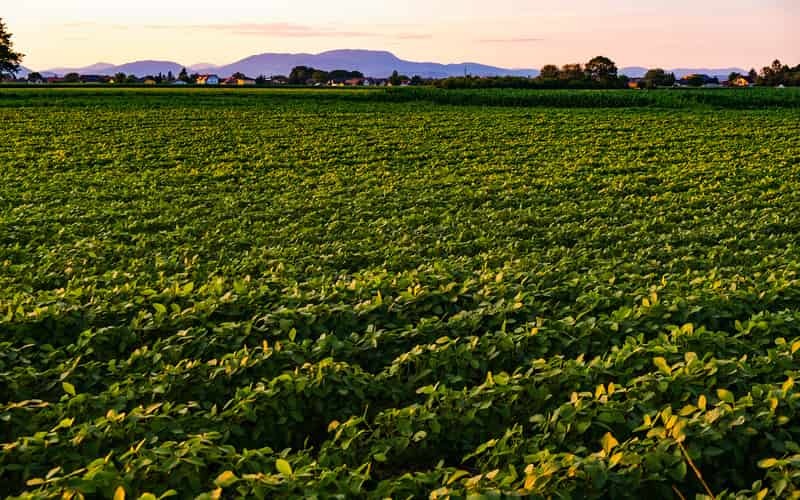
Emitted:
pixel 414 294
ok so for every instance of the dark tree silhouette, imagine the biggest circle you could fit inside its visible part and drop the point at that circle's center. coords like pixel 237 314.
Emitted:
pixel 601 69
pixel 549 71
pixel 571 72
pixel 659 78
pixel 9 59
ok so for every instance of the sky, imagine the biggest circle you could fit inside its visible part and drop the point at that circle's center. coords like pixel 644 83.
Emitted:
pixel 507 33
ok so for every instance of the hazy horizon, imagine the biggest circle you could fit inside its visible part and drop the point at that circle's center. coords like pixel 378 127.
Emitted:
pixel 506 33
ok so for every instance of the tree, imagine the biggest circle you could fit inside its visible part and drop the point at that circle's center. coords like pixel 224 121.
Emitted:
pixel 9 60
pixel 571 72
pixel 397 79
pixel 774 74
pixel 319 76
pixel 601 69
pixel 35 77
pixel 170 76
pixel 417 80
pixel 549 71
pixel 72 78
pixel 183 76
pixel 131 79
pixel 300 75
pixel 659 78
pixel 120 78
pixel 238 76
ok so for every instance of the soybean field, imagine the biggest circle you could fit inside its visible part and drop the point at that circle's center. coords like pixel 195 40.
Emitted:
pixel 333 294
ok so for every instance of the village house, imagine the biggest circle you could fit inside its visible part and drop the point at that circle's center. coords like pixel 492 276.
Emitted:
pixel 636 83
pixel 698 80
pixel 741 81
pixel 241 82
pixel 208 80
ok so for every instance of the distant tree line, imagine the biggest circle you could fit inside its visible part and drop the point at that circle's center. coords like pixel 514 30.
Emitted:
pixel 301 75
pixel 599 73
pixel 779 74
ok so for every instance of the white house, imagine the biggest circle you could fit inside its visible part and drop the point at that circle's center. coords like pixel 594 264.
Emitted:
pixel 208 80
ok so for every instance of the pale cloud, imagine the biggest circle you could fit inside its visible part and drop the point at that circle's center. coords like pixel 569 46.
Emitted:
pixel 512 40
pixel 268 30
pixel 288 30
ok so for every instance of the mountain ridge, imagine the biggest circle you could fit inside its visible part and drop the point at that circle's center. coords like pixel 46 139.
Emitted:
pixel 374 63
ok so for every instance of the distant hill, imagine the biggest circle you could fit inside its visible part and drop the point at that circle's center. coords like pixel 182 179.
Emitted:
pixel 144 68
pixel 371 63
pixel 95 69
pixel 375 63
pixel 138 68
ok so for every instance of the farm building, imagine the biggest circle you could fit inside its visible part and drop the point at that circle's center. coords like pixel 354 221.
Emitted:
pixel 241 82
pixel 208 80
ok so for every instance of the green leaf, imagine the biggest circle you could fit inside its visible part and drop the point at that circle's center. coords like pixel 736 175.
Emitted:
pixel 227 478
pixel 662 365
pixel 767 463
pixel 725 395
pixel 283 467
pixel 609 442
pixel 456 475
pixel 68 388
pixel 160 308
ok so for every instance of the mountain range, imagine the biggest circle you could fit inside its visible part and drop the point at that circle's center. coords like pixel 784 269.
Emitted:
pixel 379 64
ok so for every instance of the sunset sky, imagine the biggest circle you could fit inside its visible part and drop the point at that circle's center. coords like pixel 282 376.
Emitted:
pixel 509 33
